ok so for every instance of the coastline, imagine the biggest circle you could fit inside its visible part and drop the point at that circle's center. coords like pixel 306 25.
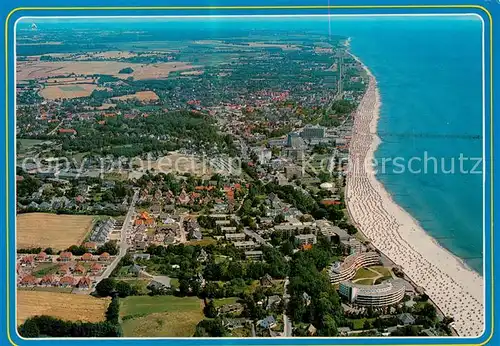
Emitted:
pixel 456 290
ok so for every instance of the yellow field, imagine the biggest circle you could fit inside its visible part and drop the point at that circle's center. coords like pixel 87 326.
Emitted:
pixel 66 306
pixel 141 96
pixel 67 91
pixel 50 230
pixel 47 69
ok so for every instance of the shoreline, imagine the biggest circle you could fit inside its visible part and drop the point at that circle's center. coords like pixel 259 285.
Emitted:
pixel 453 287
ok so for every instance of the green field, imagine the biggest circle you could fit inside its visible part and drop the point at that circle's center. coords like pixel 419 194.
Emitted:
pixel 364 273
pixel 45 269
pixel 224 301
pixel 157 316
pixel 71 88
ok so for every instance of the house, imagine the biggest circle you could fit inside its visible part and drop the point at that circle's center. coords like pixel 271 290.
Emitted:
pixel 235 309
pixel 307 298
pixel 311 330
pixel 203 256
pixel 160 283
pixel 49 280
pixel 95 267
pixel 144 256
pixel 245 245
pixel 406 319
pixel 267 323
pixel 41 257
pixel 63 269
pixel 104 257
pixel 234 323
pixel 87 257
pixel 266 281
pixel 90 246
pixel 79 269
pixel 28 260
pixel 28 280
pixel 272 301
pixel 84 283
pixel 135 269
pixel 67 281
pixel 254 255
pixel 344 331
pixel 65 256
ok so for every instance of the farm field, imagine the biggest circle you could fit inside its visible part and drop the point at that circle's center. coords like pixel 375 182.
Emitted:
pixel 71 307
pixel 47 69
pixel 67 91
pixel 50 230
pixel 155 316
pixel 141 96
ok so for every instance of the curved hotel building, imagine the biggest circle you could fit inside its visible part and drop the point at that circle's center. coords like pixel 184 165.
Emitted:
pixel 387 293
pixel 342 271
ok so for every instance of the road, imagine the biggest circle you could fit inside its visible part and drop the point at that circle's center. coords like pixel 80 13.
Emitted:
pixel 287 332
pixel 255 236
pixel 123 240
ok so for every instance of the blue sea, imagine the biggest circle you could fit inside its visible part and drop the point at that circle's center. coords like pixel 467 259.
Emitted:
pixel 429 72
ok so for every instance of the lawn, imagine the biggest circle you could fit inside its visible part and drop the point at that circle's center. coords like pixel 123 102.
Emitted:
pixel 204 242
pixel 364 273
pixel 224 301
pixel 44 269
pixel 364 282
pixel 385 272
pixel 156 316
pixel 358 323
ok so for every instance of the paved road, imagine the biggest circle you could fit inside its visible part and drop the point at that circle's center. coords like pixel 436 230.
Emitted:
pixel 257 237
pixel 123 240
pixel 287 332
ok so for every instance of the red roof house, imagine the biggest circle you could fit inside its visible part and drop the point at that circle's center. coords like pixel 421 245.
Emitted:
pixel 87 257
pixel 65 256
pixel 67 281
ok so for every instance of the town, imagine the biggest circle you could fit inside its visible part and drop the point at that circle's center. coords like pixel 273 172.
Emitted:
pixel 199 196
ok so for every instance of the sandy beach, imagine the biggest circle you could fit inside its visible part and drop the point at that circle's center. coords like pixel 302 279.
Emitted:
pixel 455 289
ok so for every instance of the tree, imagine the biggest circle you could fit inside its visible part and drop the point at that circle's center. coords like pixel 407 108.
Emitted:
pixel 210 311
pixel 113 312
pixel 123 289
pixel 105 287
pixel 210 328
pixel 29 329
pixel 109 247
pixel 367 325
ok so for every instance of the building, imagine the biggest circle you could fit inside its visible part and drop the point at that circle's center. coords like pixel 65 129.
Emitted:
pixel 346 270
pixel 235 237
pixel 313 131
pixel 254 255
pixel 267 323
pixel 387 293
pixel 235 308
pixel 406 319
pixel 84 283
pixel 293 172
pixel 65 256
pixel 330 231
pixel 266 281
pixel 245 245
pixel 352 246
pixel 305 239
